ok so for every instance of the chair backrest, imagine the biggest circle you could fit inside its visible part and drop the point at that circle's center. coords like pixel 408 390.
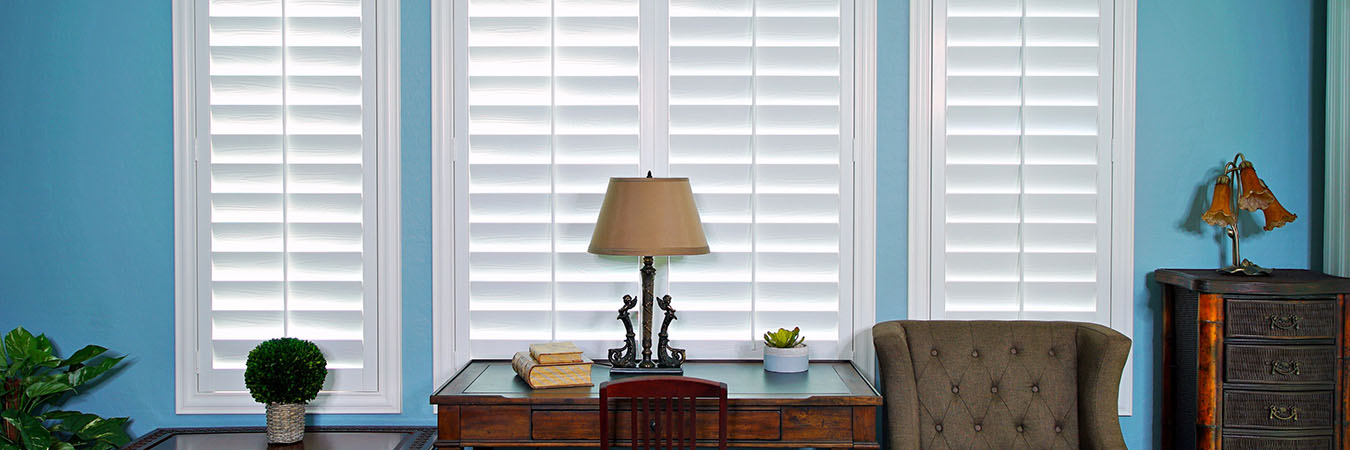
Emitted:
pixel 661 411
pixel 991 384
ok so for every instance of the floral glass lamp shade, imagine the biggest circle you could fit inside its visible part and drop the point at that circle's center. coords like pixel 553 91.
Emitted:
pixel 648 217
pixel 1252 195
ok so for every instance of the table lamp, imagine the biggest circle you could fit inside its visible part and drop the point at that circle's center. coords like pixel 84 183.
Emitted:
pixel 1238 187
pixel 648 217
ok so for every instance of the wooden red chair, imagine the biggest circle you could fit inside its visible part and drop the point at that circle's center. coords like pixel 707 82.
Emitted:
pixel 662 411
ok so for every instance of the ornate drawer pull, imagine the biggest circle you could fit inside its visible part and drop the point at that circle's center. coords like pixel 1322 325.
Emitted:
pixel 1286 413
pixel 1286 368
pixel 1284 322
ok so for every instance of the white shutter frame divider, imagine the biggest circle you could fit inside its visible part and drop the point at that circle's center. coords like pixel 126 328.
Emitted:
pixel 864 15
pixel 445 314
pixel 190 28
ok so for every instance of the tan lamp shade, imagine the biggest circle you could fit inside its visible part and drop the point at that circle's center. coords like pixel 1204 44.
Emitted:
pixel 648 217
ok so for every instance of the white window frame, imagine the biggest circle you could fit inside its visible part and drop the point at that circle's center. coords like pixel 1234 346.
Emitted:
pixel 188 399
pixel 450 330
pixel 1122 173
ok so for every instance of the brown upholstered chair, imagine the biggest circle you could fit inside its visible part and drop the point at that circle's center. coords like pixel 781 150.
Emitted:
pixel 1000 385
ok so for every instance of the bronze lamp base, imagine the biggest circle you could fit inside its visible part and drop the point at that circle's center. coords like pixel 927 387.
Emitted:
pixel 668 359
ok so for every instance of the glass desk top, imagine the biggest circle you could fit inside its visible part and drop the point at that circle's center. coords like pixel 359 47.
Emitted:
pixel 743 379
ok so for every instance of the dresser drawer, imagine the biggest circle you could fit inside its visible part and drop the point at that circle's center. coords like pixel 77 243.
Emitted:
pixel 1277 443
pixel 1278 410
pixel 1281 319
pixel 1276 364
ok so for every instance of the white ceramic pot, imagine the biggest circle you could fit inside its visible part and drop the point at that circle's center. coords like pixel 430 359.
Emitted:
pixel 786 360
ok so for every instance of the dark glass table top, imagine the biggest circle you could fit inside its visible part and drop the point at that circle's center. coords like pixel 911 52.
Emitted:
pixel 824 383
pixel 316 438
pixel 741 379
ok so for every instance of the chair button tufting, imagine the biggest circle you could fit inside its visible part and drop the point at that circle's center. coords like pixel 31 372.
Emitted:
pixel 993 389
pixel 939 428
pixel 955 389
pixel 1058 429
pixel 1013 350
pixel 1019 428
pixel 974 353
pixel 1052 352
pixel 977 427
pixel 934 352
pixel 1035 388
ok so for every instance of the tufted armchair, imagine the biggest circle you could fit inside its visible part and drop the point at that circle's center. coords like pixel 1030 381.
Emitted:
pixel 1000 385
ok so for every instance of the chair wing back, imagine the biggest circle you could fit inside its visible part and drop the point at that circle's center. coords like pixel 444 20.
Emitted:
pixel 660 412
pixel 1000 384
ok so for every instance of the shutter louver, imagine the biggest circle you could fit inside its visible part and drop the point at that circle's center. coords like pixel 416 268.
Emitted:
pixel 552 113
pixel 755 123
pixel 290 184
pixel 1022 200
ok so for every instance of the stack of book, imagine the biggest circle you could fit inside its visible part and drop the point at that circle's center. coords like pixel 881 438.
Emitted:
pixel 553 365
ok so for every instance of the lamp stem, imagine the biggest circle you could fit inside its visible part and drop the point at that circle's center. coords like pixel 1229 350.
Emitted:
pixel 648 297
pixel 1240 265
pixel 1235 191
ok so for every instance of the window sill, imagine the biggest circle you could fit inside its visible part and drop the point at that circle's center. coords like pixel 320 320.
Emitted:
pixel 326 403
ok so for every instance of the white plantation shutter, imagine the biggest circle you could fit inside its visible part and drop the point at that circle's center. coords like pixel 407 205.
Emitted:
pixel 1022 159
pixel 750 100
pixel 757 98
pixel 286 184
pixel 551 113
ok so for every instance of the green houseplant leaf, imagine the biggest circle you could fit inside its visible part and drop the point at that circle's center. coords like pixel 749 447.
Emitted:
pixel 42 388
pixel 35 378
pixel 32 434
pixel 84 354
pixel 82 375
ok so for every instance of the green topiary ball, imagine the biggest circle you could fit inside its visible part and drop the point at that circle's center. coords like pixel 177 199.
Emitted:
pixel 285 370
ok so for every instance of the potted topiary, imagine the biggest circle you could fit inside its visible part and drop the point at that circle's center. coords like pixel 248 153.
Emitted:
pixel 285 374
pixel 785 352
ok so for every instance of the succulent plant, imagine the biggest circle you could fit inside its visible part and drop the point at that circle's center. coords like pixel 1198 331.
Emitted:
pixel 784 338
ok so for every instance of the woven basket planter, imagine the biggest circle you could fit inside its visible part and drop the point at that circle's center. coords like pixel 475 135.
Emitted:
pixel 285 423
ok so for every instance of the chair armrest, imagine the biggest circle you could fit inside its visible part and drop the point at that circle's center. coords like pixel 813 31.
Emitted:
pixel 898 387
pixel 1101 359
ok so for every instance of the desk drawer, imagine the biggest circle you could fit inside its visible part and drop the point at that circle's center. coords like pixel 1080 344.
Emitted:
pixel 1281 319
pixel 1275 364
pixel 1279 410
pixel 1277 443
pixel 747 425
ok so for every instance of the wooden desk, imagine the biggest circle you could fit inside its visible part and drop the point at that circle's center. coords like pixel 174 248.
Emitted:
pixel 829 406
pixel 316 438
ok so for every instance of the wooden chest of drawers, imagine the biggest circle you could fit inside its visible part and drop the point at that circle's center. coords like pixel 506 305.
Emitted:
pixel 1255 362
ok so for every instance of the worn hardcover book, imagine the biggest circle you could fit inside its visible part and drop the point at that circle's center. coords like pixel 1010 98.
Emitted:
pixel 556 353
pixel 540 376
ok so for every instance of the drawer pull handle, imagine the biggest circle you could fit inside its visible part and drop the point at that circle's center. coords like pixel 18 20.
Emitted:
pixel 1284 322
pixel 1286 413
pixel 1285 368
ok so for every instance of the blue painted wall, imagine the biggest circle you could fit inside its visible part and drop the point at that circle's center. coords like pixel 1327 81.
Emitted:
pixel 86 183
pixel 86 238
